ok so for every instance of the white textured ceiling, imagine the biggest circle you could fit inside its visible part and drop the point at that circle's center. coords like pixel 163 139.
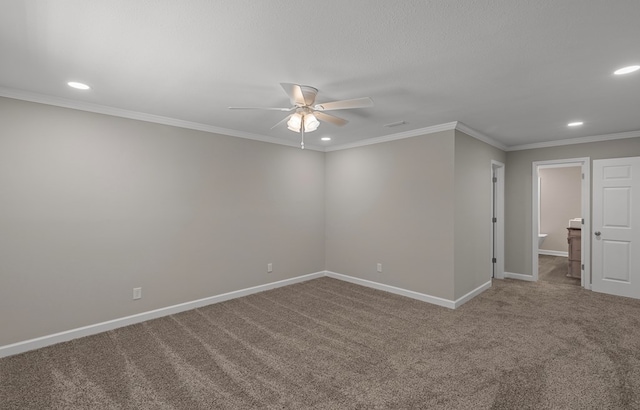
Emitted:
pixel 515 70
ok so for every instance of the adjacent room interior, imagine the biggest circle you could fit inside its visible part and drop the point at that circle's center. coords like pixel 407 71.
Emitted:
pixel 560 223
pixel 371 205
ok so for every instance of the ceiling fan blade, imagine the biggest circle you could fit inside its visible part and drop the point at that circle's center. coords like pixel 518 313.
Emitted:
pixel 300 95
pixel 285 119
pixel 345 104
pixel 330 118
pixel 294 92
pixel 262 108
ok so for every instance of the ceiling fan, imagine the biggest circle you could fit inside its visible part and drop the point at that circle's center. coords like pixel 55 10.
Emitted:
pixel 306 115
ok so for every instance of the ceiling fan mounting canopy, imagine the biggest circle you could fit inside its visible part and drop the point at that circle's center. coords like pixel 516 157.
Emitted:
pixel 300 95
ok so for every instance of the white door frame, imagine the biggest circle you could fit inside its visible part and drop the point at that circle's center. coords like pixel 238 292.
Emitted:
pixel 498 169
pixel 585 164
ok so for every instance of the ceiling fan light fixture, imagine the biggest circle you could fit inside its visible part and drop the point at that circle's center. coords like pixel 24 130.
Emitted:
pixel 294 122
pixel 311 123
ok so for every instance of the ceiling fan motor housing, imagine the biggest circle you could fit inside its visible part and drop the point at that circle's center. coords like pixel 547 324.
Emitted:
pixel 309 94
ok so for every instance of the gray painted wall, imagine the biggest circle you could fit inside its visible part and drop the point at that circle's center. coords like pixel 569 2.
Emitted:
pixel 518 217
pixel 92 206
pixel 560 201
pixel 420 206
pixel 392 203
pixel 473 206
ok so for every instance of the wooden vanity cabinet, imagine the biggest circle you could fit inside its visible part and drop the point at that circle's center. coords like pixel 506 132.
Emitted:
pixel 574 237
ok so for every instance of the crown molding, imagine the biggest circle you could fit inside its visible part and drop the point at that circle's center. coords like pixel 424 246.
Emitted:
pixel 141 116
pixel 455 125
pixel 579 140
pixel 402 135
pixel 480 136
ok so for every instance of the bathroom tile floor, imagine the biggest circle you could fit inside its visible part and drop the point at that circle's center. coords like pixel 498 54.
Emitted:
pixel 554 269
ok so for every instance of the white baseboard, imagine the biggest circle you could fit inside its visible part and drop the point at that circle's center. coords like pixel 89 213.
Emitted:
pixel 451 304
pixel 37 343
pixel 464 299
pixel 519 276
pixel 553 253
pixel 392 289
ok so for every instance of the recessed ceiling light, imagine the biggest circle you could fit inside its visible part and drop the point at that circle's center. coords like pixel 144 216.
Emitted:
pixel 627 70
pixel 326 138
pixel 79 86
pixel 575 124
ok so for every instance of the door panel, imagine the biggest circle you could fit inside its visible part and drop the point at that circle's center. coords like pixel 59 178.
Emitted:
pixel 616 226
pixel 615 256
pixel 616 207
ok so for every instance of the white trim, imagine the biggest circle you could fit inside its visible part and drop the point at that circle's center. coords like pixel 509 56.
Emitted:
pixel 456 125
pixel 553 253
pixel 21 347
pixel 480 136
pixel 39 342
pixel 572 141
pixel 555 164
pixel 141 116
pixel 464 299
pixel 585 243
pixel 134 115
pixel 434 300
pixel 392 289
pixel 392 137
pixel 519 276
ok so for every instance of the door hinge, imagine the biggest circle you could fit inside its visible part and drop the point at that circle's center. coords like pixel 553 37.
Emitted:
pixel 583 266
pixel 494 260
pixel 582 221
pixel 583 175
pixel 494 219
pixel 495 179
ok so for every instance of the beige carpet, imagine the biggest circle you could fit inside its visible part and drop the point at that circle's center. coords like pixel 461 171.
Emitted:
pixel 327 344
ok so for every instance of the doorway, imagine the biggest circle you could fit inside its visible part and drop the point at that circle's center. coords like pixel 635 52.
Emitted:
pixel 497 219
pixel 579 261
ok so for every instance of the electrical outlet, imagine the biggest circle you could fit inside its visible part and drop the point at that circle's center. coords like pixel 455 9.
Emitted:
pixel 269 267
pixel 379 267
pixel 137 293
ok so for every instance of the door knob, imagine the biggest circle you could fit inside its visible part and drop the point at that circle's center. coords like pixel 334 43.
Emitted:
pixel 597 233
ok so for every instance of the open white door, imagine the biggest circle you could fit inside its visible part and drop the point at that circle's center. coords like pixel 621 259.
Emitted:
pixel 616 226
